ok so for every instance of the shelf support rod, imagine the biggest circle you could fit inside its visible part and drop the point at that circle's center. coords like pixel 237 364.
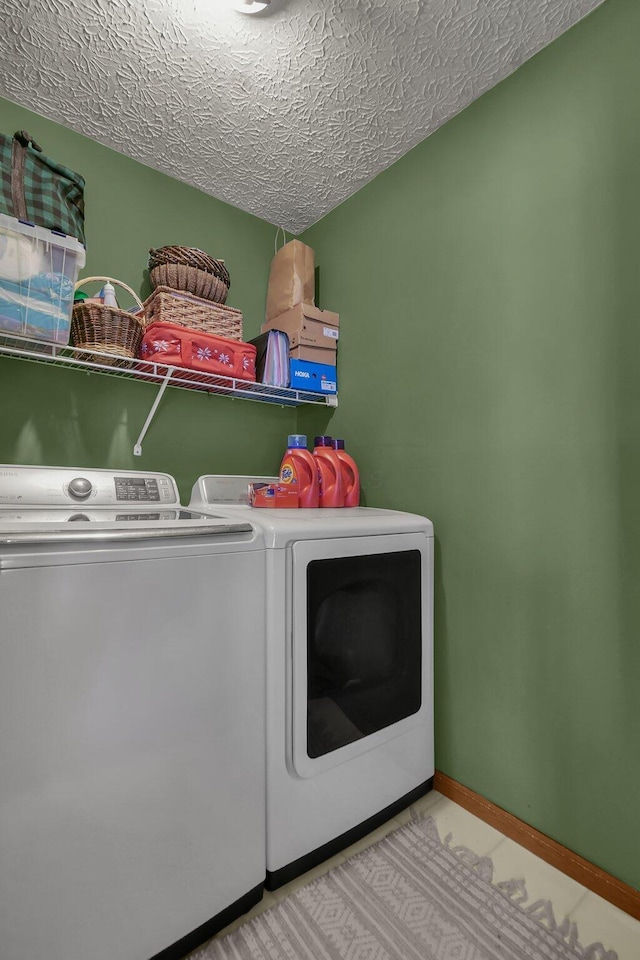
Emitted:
pixel 137 448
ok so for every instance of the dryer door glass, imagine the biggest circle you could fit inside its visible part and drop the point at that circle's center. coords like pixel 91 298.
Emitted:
pixel 364 646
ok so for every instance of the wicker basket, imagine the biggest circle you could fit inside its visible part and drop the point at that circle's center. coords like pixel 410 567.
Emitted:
pixel 175 306
pixel 189 257
pixel 195 281
pixel 106 330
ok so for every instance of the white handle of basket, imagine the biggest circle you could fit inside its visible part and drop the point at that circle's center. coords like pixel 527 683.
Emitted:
pixel 104 280
pixel 284 238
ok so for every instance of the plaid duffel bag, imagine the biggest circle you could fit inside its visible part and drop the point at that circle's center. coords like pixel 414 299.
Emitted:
pixel 36 188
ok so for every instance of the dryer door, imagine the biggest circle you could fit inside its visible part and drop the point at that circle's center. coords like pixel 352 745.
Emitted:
pixel 361 645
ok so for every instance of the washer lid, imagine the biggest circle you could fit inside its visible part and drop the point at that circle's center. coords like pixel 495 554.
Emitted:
pixel 38 525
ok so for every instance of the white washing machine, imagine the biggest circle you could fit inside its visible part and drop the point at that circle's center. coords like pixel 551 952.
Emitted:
pixel 131 717
pixel 349 670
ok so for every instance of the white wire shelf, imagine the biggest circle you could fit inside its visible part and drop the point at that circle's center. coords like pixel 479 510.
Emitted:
pixel 112 365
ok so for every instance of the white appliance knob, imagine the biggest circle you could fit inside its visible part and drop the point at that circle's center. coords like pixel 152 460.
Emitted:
pixel 79 488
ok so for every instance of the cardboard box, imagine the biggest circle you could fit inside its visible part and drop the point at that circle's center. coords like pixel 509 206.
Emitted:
pixel 315 355
pixel 306 311
pixel 306 326
pixel 314 335
pixel 313 377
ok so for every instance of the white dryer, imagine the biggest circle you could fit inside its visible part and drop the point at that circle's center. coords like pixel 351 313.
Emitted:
pixel 131 717
pixel 349 717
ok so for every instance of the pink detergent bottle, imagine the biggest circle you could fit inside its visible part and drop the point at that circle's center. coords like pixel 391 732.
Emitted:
pixel 350 475
pixel 330 473
pixel 298 468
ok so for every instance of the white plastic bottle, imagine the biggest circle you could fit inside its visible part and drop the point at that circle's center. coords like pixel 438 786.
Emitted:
pixel 109 296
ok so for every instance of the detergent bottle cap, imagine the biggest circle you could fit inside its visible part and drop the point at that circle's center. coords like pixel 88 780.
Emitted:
pixel 297 440
pixel 323 442
pixel 338 444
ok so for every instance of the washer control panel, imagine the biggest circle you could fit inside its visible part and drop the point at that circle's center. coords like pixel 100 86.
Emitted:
pixel 64 486
pixel 139 489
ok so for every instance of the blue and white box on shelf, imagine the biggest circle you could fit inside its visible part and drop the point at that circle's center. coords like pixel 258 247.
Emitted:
pixel 313 377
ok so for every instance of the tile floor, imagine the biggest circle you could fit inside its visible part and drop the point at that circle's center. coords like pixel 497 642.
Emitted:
pixel 596 919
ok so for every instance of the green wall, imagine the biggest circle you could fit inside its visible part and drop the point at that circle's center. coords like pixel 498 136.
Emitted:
pixel 489 291
pixel 71 418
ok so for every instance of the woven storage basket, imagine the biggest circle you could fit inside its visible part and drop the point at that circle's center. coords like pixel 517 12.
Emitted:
pixel 104 329
pixel 190 269
pixel 175 306
pixel 189 257
pixel 195 281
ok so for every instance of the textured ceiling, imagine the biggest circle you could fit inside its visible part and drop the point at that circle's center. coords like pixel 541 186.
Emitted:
pixel 284 114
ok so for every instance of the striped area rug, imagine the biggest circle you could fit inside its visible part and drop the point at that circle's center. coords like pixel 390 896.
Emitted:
pixel 411 896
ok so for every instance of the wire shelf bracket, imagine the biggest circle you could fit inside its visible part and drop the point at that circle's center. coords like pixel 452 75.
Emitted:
pixel 137 447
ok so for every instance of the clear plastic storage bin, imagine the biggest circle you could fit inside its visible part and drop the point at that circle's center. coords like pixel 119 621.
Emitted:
pixel 38 272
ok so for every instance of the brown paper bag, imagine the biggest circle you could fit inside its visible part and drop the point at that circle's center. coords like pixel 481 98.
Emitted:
pixel 291 279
